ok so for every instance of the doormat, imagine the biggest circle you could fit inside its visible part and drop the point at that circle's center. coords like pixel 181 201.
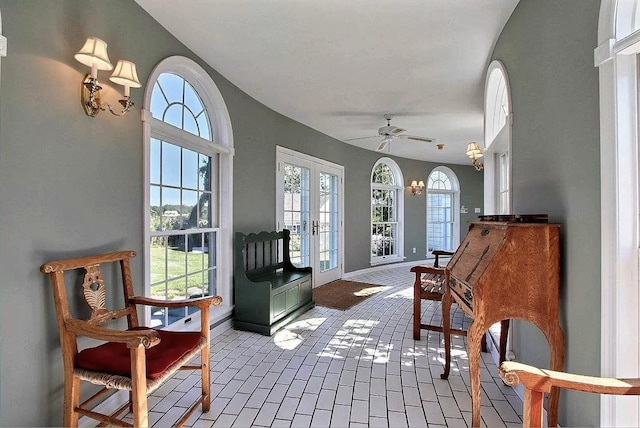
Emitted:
pixel 342 294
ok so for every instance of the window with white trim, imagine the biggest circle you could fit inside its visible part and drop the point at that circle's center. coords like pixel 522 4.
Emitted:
pixel 387 211
pixel 497 137
pixel 183 212
pixel 618 60
pixel 443 222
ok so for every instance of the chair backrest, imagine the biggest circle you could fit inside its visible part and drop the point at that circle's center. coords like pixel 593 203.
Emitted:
pixel 93 290
pixel 260 253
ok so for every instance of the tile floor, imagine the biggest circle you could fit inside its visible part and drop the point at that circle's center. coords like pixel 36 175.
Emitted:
pixel 354 368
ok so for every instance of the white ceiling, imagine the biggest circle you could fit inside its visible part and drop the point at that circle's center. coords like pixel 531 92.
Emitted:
pixel 338 66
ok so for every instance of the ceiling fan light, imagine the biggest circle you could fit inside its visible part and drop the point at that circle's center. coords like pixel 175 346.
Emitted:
pixel 383 144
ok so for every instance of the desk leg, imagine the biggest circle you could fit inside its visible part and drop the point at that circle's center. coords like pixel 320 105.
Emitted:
pixel 556 345
pixel 474 339
pixel 446 331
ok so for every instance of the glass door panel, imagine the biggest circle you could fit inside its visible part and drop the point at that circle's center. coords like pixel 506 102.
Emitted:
pixel 309 205
pixel 297 212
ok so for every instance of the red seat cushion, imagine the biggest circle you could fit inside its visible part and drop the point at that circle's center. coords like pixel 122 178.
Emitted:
pixel 115 358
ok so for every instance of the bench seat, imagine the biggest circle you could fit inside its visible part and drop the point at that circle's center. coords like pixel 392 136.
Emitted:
pixel 269 290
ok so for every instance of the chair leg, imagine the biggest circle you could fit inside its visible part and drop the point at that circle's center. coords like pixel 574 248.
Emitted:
pixel 139 387
pixel 533 408
pixel 206 382
pixel 71 400
pixel 416 310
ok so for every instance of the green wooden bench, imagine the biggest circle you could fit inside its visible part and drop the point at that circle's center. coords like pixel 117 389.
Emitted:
pixel 269 290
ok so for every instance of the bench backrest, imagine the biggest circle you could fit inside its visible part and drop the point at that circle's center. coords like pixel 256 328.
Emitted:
pixel 260 253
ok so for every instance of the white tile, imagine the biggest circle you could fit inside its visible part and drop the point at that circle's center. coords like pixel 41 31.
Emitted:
pixel 277 393
pixel 224 421
pixel 415 416
pixel 397 419
pixel 340 415
pixel 266 415
pixel 258 398
pixel 321 418
pixel 288 408
pixel 361 391
pixel 297 388
pixel 301 421
pixel 237 403
pixel 378 406
pixel 245 418
pixel 360 411
pixel 326 399
pixel 314 385
pixel 344 395
pixel 307 404
pixel 395 401
pixel 434 413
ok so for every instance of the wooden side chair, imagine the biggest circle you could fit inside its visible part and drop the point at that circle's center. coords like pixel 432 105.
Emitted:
pixel 537 382
pixel 429 284
pixel 138 359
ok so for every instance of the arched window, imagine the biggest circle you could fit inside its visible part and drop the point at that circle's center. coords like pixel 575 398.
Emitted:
pixel 497 137
pixel 387 212
pixel 443 213
pixel 187 145
pixel 618 63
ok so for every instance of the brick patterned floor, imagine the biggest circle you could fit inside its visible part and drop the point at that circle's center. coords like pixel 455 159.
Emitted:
pixel 330 368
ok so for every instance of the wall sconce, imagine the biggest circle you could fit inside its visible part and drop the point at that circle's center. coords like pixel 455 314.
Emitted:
pixel 417 187
pixel 94 55
pixel 475 152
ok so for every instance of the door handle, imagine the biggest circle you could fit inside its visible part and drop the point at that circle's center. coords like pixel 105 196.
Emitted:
pixel 314 227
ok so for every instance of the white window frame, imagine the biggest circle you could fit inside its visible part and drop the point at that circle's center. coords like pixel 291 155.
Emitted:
pixel 399 188
pixel 455 191
pixel 617 60
pixel 222 136
pixel 498 120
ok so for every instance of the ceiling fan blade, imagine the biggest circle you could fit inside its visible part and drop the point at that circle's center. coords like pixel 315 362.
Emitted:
pixel 383 144
pixel 396 131
pixel 417 138
pixel 361 138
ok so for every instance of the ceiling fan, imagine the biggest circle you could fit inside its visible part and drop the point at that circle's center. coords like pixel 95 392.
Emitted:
pixel 390 132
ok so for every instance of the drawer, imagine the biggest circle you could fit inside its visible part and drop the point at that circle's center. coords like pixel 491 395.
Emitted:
pixel 463 290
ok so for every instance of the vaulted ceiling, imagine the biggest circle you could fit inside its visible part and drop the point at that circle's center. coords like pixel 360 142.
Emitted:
pixel 339 66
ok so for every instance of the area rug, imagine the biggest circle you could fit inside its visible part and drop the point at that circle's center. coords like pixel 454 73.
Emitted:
pixel 342 294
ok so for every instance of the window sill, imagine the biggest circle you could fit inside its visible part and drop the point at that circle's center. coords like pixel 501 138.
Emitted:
pixel 387 260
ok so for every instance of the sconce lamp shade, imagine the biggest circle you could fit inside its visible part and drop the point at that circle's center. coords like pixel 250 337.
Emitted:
pixel 94 54
pixel 474 151
pixel 125 74
pixel 414 183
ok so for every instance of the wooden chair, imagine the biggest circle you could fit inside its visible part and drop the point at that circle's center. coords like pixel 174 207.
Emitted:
pixel 537 382
pixel 430 285
pixel 138 359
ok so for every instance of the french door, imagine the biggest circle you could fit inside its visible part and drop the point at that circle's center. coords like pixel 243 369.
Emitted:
pixel 309 204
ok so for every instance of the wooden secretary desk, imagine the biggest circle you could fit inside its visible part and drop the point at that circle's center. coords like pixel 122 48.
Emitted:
pixel 507 267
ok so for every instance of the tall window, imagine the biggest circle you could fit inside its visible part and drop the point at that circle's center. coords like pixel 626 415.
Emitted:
pixel 443 219
pixel 618 63
pixel 387 242
pixel 497 160
pixel 183 211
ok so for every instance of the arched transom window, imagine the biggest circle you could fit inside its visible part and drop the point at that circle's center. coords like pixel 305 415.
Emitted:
pixel 387 243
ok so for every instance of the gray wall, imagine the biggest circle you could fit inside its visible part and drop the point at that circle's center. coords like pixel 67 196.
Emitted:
pixel 547 47
pixel 72 185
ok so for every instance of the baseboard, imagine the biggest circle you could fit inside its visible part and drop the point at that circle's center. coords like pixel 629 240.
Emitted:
pixel 377 268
